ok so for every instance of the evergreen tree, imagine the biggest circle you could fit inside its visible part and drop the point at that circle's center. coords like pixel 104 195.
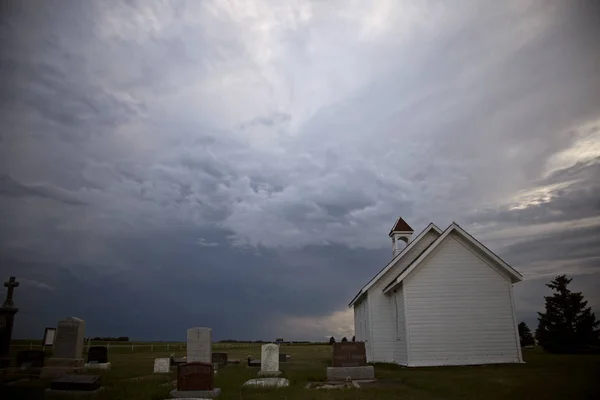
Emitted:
pixel 525 335
pixel 354 338
pixel 344 339
pixel 331 340
pixel 567 325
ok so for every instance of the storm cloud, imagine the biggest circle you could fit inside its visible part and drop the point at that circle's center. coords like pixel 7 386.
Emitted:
pixel 239 164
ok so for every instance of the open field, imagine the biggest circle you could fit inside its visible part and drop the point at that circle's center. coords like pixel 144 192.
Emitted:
pixel 544 376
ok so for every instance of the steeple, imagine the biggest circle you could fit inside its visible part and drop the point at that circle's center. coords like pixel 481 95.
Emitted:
pixel 401 232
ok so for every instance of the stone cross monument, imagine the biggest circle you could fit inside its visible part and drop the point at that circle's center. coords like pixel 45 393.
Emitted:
pixel 11 285
pixel 7 316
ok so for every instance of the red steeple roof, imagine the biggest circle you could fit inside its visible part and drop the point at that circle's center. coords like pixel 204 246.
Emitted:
pixel 401 226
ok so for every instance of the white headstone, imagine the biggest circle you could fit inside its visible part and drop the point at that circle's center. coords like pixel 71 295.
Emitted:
pixel 199 345
pixel 69 338
pixel 162 365
pixel 269 358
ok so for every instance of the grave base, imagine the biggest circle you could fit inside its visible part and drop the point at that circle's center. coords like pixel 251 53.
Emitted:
pixel 57 372
pixel 64 362
pixel 354 373
pixel 332 385
pixel 267 382
pixel 102 366
pixel 52 393
pixel 198 394
pixel 58 367
pixel 269 373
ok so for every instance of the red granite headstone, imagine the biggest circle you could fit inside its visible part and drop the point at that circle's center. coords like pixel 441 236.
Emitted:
pixel 349 354
pixel 195 376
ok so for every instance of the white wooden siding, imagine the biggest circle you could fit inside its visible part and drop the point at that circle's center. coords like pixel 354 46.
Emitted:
pixel 400 348
pixel 459 310
pixel 382 307
pixel 361 324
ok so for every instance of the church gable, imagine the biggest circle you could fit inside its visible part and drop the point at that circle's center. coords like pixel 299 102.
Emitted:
pixel 459 235
pixel 452 261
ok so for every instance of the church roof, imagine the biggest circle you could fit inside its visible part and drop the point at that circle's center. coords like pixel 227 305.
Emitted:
pixel 514 275
pixel 401 226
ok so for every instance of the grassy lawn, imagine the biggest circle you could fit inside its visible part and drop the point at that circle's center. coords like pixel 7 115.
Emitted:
pixel 544 376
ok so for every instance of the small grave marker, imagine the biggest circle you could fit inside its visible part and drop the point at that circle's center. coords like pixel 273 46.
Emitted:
pixel 49 335
pixel 162 365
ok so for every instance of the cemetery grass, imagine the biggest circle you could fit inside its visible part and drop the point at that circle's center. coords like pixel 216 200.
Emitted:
pixel 544 376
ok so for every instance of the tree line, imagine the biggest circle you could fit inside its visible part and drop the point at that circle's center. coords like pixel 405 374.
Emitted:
pixel 110 339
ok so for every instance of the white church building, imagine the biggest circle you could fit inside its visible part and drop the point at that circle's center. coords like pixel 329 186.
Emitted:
pixel 443 299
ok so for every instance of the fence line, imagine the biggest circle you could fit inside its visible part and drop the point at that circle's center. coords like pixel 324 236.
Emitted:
pixel 143 347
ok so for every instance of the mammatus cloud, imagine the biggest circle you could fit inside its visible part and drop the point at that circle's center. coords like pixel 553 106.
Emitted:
pixel 204 243
pixel 263 149
pixel 11 188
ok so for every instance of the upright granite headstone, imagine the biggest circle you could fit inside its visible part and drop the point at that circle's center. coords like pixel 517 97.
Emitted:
pixel 69 338
pixel 195 379
pixel 199 345
pixel 97 354
pixel 220 359
pixel 269 360
pixel 349 354
pixel 68 346
pixel 350 363
pixel 97 358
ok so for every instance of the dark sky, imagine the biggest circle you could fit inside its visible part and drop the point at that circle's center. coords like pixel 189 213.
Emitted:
pixel 239 164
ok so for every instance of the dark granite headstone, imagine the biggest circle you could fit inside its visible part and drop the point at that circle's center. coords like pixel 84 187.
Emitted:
pixel 84 383
pixel 195 376
pixel 219 358
pixel 349 354
pixel 30 359
pixel 97 354
pixel 253 363
pixel 283 357
pixel 175 361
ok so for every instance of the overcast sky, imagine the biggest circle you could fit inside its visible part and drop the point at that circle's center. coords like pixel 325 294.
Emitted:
pixel 238 164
